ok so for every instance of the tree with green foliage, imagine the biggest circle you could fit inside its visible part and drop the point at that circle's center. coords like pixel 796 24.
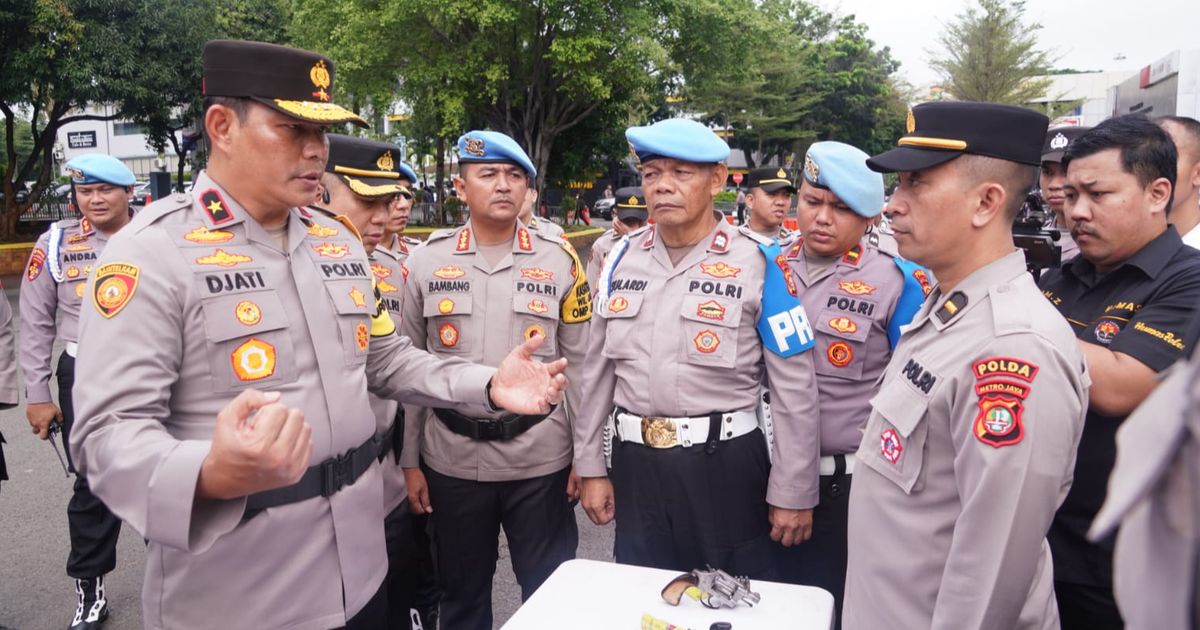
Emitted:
pixel 58 56
pixel 990 53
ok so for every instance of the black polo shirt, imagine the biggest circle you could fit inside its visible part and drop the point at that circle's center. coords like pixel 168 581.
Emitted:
pixel 1144 308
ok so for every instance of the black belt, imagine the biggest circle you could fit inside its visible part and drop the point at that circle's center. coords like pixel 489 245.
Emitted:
pixel 505 428
pixel 328 477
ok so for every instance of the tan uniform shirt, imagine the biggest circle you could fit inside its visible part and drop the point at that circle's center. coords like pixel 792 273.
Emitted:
pixel 850 303
pixel 457 305
pixel 402 246
pixel 8 356
pixel 190 304
pixel 1154 495
pixel 388 272
pixel 546 226
pixel 598 254
pixel 49 304
pixel 681 341
pixel 967 454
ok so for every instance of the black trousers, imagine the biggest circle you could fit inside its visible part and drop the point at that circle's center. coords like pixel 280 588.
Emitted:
pixel 684 508
pixel 1083 607
pixel 93 528
pixel 373 616
pixel 821 560
pixel 400 584
pixel 427 595
pixel 538 521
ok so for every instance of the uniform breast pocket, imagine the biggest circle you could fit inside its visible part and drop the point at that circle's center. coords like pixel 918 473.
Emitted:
pixel 894 441
pixel 446 317
pixel 248 341
pixel 76 287
pixel 842 345
pixel 623 339
pixel 710 330
pixel 536 315
pixel 354 303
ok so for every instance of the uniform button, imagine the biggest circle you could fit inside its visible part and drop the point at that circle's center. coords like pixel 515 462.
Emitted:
pixel 729 434
pixel 729 419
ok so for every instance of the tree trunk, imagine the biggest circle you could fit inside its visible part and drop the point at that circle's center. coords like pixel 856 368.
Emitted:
pixel 441 175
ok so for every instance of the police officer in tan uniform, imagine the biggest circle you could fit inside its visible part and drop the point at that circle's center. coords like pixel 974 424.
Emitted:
pixel 769 193
pixel 260 508
pixel 1153 497
pixel 532 221
pixel 693 316
pixel 629 215
pixel 971 439
pixel 8 371
pixel 399 213
pixel 472 292
pixel 52 293
pixel 1051 178
pixel 858 297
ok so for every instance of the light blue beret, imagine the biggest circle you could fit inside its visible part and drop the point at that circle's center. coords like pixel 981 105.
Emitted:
pixel 407 172
pixel 677 138
pixel 493 146
pixel 843 170
pixel 94 168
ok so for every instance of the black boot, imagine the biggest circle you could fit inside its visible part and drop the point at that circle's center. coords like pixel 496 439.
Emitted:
pixel 93 605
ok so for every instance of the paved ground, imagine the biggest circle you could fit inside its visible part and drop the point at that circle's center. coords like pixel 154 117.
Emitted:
pixel 35 593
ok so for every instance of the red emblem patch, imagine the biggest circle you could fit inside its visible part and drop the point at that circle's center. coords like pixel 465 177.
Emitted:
pixel 856 287
pixel 720 242
pixel 448 335
pixel 853 255
pixel 537 273
pixel 1106 331
pixel 618 304
pixel 923 279
pixel 781 262
pixel 890 445
pixel 839 354
pixel 538 306
pixel 361 337
pixel 534 330
pixel 464 240
pixel 215 206
pixel 999 421
pixel 1004 366
pixel 707 341
pixel 523 242
pixel 36 262
pixel 113 287
pixel 844 325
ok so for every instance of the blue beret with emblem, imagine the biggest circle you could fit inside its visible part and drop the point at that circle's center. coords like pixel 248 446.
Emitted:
pixel 95 168
pixel 407 172
pixel 493 146
pixel 842 169
pixel 677 138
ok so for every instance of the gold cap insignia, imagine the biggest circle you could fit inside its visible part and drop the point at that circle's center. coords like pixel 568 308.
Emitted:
pixel 319 75
pixel 75 174
pixel 1059 142
pixel 385 162
pixel 782 173
pixel 633 201
pixel 474 146
pixel 811 170
pixel 910 124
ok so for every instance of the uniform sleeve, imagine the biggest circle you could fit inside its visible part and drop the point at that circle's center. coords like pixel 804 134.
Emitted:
pixel 595 257
pixel 39 306
pixel 794 482
pixel 143 474
pixel 1015 443
pixel 600 374
pixel 412 326
pixel 398 370
pixel 1156 335
pixel 572 335
pixel 8 356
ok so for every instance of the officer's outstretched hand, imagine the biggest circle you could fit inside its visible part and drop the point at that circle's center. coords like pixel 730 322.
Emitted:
pixel 790 527
pixel 258 444
pixel 418 491
pixel 41 416
pixel 597 499
pixel 525 385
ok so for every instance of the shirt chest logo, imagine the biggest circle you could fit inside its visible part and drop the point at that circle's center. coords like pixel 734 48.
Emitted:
pixel 920 377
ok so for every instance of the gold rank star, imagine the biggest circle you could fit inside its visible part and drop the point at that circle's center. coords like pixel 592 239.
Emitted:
pixel 214 206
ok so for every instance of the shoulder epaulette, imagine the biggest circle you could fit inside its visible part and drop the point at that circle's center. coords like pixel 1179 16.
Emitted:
pixel 387 253
pixel 755 236
pixel 441 234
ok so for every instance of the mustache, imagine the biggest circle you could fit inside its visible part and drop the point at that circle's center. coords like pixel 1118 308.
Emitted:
pixel 1080 228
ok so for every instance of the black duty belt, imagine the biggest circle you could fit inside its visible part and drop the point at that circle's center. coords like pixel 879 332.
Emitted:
pixel 328 477
pixel 504 428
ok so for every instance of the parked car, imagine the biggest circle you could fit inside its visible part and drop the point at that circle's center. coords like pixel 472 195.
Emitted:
pixel 604 208
pixel 141 190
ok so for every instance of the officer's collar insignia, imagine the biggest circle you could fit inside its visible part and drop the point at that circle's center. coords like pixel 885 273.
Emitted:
pixel 524 243
pixel 853 255
pixel 401 246
pixel 385 162
pixel 796 249
pixel 319 75
pixel 910 124
pixel 320 231
pixel 205 236
pixel 1059 142
pixel 474 146
pixel 781 262
pixel 922 278
pixel 305 212
pixel 951 307
pixel 649 242
pixel 720 242
pixel 811 170
pixel 85 225
pixel 214 206
pixel 464 241
pixel 782 174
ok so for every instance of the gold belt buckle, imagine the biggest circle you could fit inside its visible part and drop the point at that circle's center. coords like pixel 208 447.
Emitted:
pixel 659 432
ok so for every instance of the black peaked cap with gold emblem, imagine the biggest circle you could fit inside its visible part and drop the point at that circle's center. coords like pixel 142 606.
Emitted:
pixel 770 179
pixel 1057 141
pixel 631 203
pixel 294 82
pixel 939 132
pixel 369 167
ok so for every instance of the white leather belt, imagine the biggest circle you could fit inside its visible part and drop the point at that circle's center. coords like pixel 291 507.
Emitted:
pixel 660 432
pixel 829 465
pixel 73 349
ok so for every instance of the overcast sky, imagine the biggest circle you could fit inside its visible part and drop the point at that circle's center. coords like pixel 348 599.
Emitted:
pixel 1088 33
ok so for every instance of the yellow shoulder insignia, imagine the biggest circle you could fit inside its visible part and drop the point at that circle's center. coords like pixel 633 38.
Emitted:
pixel 577 303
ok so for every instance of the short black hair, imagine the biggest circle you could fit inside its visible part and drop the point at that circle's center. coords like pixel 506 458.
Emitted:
pixel 1191 126
pixel 238 104
pixel 1147 151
